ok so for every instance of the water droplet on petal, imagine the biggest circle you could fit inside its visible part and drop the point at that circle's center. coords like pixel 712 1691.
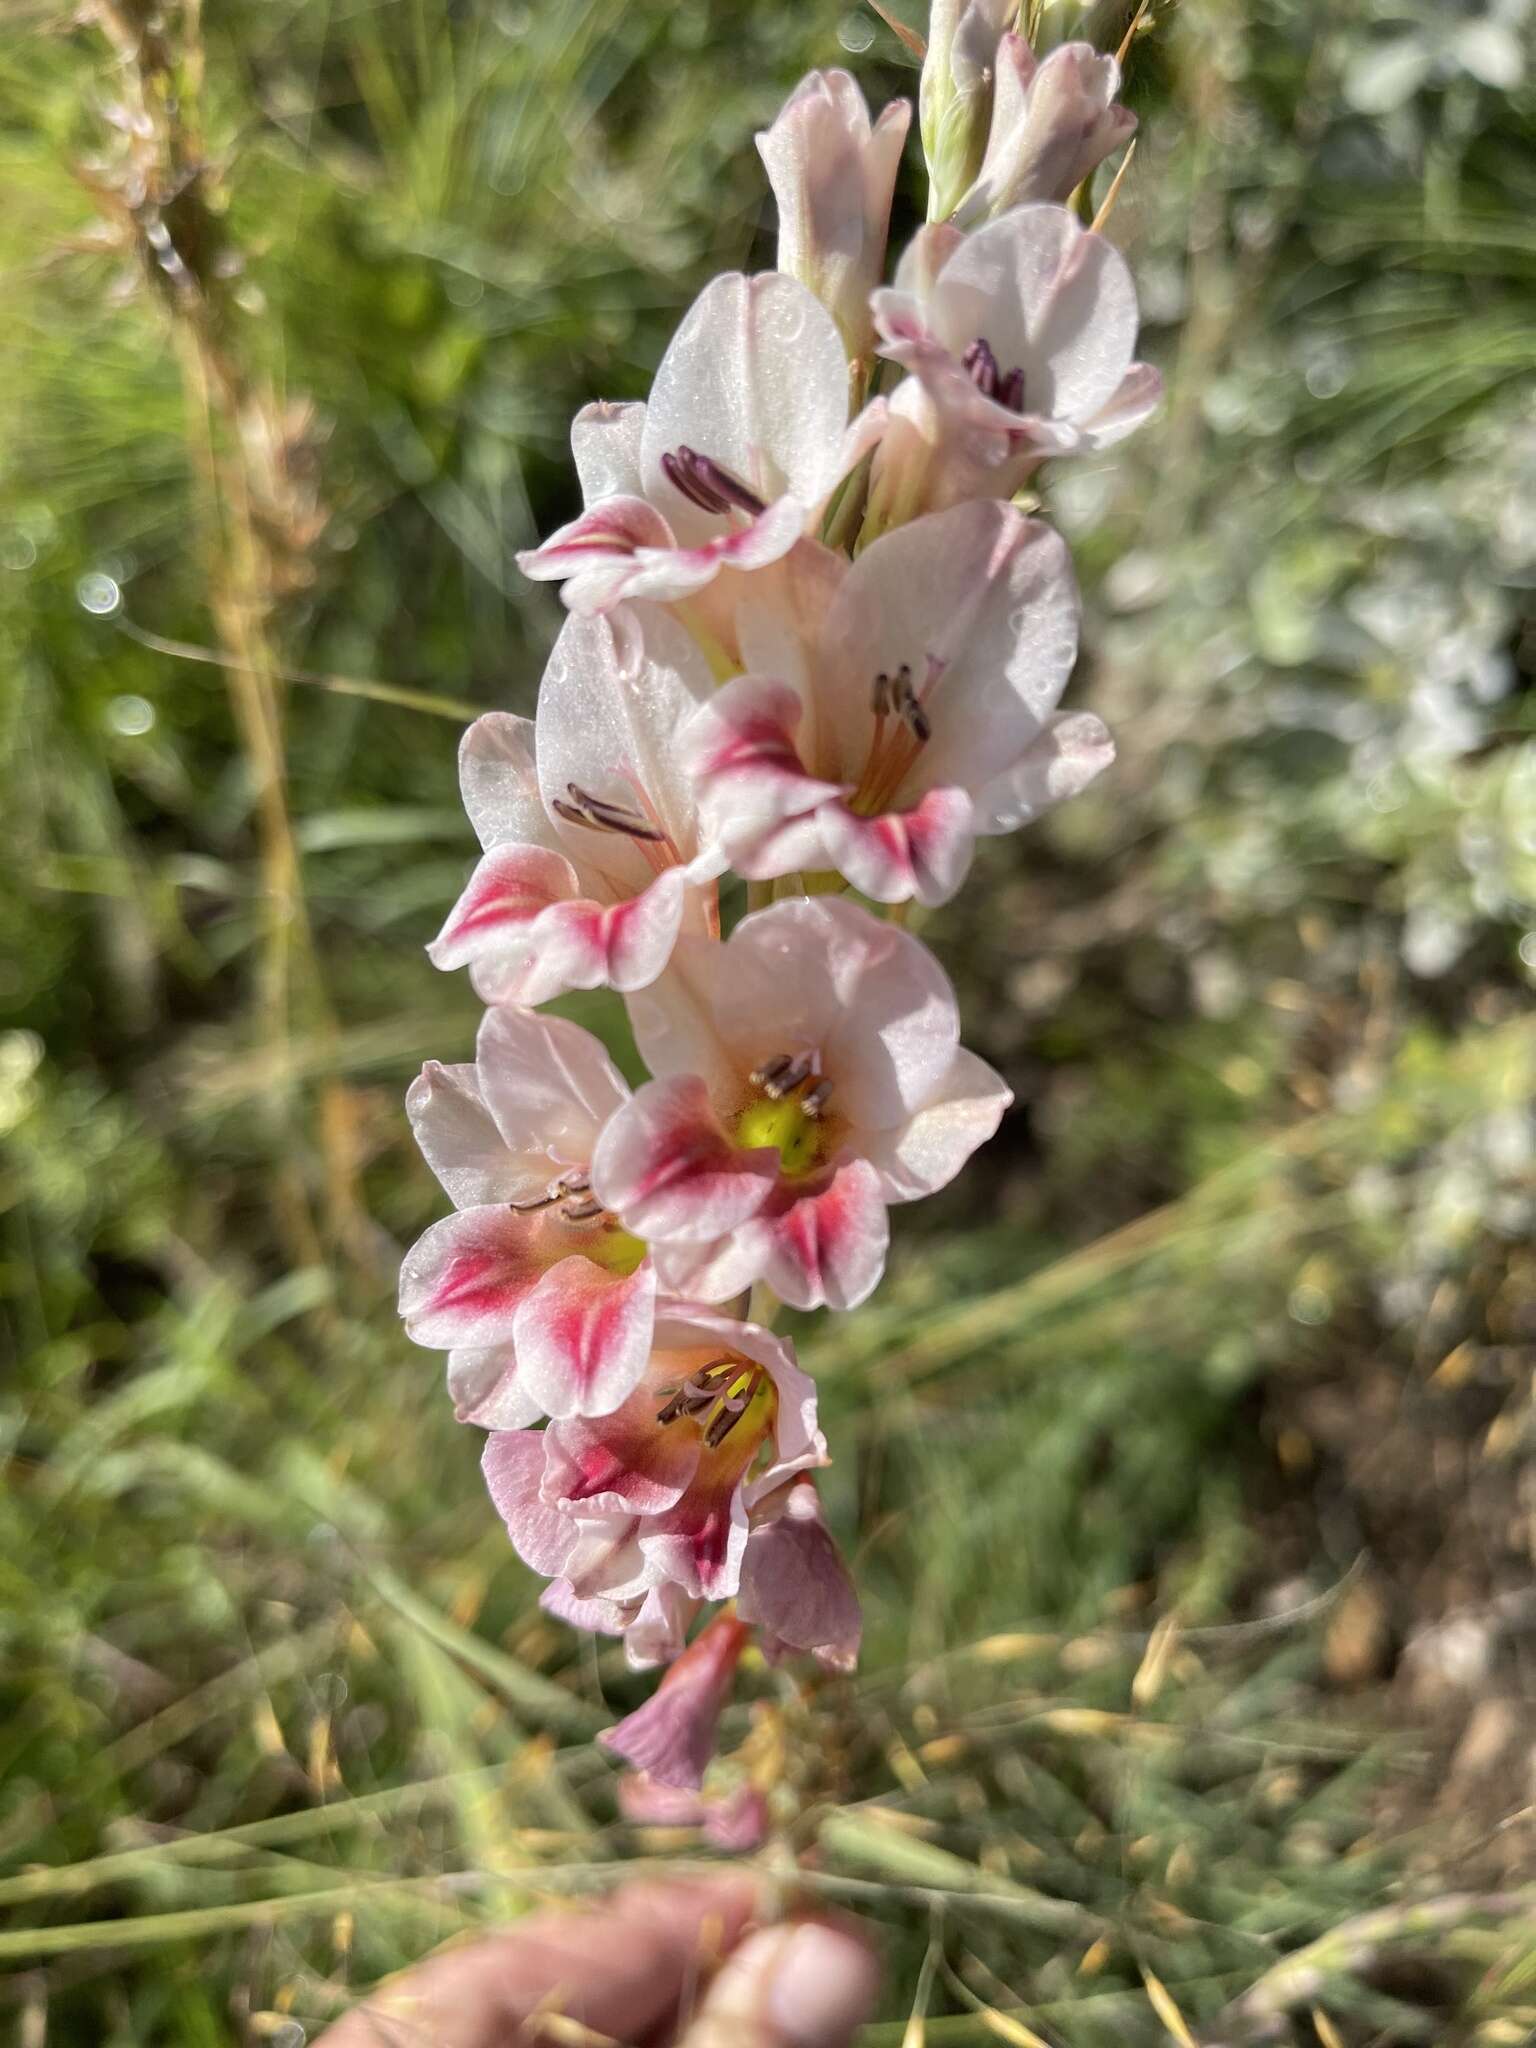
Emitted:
pixel 98 594
pixel 130 716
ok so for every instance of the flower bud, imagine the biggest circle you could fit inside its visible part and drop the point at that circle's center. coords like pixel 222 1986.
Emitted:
pixel 1053 124
pixel 832 174
pixel 955 97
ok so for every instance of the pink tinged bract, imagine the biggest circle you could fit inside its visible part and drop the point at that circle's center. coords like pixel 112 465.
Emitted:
pixel 593 862
pixel 672 1737
pixel 920 714
pixel 832 174
pixel 741 442
pixel 833 1037
pixel 794 1584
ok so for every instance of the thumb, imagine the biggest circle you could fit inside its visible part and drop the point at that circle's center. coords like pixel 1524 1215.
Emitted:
pixel 804 1984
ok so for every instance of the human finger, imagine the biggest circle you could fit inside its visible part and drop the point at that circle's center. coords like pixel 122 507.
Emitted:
pixel 621 1969
pixel 809 1984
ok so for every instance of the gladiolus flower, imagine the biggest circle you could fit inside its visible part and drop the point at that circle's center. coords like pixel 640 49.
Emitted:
pixel 921 714
pixel 1020 341
pixel 727 465
pixel 543 1303
pixel 832 175
pixel 809 1072
pixel 592 859
pixel 640 1514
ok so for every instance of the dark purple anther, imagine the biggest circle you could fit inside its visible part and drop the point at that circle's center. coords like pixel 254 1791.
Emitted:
pixel 708 485
pixel 981 365
pixel 1010 390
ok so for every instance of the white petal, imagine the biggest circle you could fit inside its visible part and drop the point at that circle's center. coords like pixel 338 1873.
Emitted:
pixel 607 723
pixel 500 784
pixel 927 1153
pixel 459 1140
pixel 605 441
pixel 549 1085
pixel 1073 749
pixel 482 1384
pixel 755 379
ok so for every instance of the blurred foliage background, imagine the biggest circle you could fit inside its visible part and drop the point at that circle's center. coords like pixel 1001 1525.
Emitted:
pixel 1186 1455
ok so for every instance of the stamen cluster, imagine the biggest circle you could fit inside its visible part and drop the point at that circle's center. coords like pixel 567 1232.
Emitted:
pixel 815 637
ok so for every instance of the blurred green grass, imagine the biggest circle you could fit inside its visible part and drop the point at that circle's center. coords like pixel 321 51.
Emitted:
pixel 279 1710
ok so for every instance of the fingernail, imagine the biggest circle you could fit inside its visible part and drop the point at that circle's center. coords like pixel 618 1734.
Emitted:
pixel 823 1987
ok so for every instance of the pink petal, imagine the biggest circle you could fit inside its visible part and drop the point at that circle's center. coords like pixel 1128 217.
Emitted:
pixel 616 526
pixel 621 1463
pixel 828 1250
pixel 658 1632
pixel 794 1583
pixel 698 1544
pixel 922 853
pixel 509 888
pixel 513 1464
pixel 462 1280
pixel 583 944
pixel 583 1337
pixel 601 1616
pixel 668 1170
pixel 719 1269
pixel 740 750
pixel 672 1737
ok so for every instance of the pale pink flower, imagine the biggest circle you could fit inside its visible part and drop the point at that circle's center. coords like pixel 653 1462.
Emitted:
pixel 809 1072
pixel 543 1303
pixel 672 1737
pixel 640 1514
pixel 794 1585
pixel 1053 123
pixel 593 861
pixel 832 175
pixel 1020 339
pixel 919 714
pixel 729 462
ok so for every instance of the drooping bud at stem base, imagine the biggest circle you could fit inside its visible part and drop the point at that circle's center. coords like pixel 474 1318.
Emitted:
pixel 672 1737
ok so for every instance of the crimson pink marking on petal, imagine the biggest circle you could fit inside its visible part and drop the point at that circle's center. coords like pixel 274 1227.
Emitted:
pixel 600 1470
pixel 503 892
pixel 477 1283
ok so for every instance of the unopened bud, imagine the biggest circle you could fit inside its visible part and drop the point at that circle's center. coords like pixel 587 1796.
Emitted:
pixel 1052 125
pixel 955 97
pixel 833 173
